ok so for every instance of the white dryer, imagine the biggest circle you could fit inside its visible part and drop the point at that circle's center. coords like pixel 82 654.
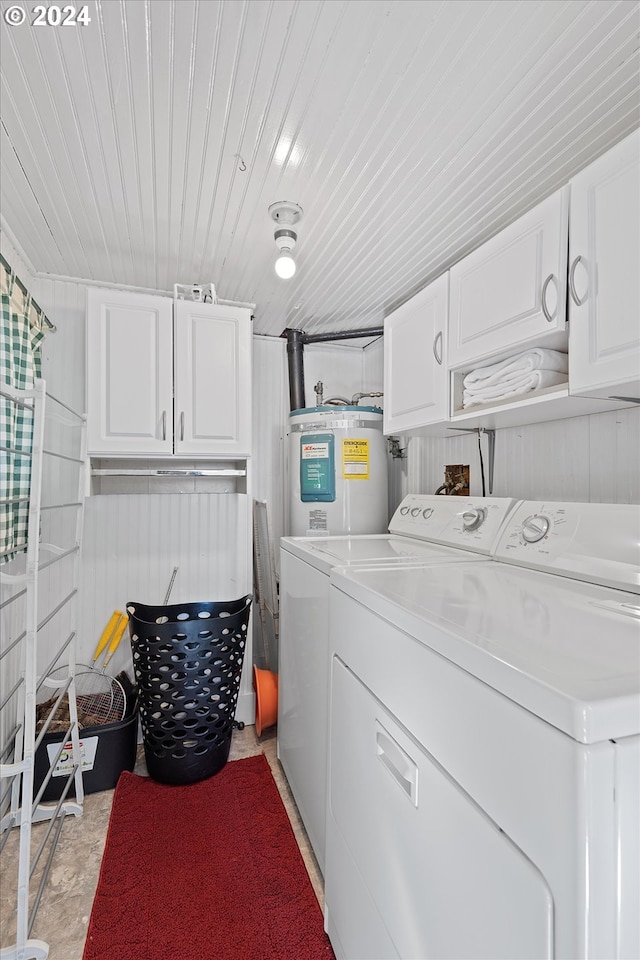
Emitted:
pixel 484 760
pixel 425 529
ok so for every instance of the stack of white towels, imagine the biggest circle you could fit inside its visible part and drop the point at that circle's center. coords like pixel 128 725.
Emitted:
pixel 531 370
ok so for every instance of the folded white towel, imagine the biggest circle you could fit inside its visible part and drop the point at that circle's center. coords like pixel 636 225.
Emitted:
pixel 504 371
pixel 535 380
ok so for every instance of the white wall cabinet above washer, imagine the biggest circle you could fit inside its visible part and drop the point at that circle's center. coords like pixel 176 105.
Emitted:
pixel 415 360
pixel 161 384
pixel 510 293
pixel 604 302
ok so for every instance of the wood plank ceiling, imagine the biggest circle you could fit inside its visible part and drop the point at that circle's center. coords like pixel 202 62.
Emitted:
pixel 144 148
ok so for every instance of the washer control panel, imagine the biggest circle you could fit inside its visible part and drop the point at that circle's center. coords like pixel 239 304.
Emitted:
pixel 469 523
pixel 597 542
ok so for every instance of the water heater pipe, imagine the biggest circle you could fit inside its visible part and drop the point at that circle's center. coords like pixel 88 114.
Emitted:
pixel 295 356
pixel 296 340
pixel 345 335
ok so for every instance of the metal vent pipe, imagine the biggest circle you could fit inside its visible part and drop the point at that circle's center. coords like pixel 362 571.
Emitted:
pixel 295 356
pixel 345 335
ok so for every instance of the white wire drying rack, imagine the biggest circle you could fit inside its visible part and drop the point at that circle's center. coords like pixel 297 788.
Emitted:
pixel 32 634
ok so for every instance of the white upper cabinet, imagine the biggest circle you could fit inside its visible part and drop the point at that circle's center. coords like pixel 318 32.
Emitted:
pixel 165 379
pixel 415 360
pixel 604 302
pixel 510 293
pixel 213 379
pixel 129 373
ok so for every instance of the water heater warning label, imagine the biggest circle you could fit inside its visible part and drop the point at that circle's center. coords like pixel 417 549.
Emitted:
pixel 355 459
pixel 318 521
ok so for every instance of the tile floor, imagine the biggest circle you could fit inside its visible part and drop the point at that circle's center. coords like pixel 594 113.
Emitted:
pixel 63 914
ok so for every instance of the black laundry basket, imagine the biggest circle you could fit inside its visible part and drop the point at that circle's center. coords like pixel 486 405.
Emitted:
pixel 187 659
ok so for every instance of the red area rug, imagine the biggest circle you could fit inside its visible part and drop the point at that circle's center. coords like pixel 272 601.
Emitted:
pixel 209 871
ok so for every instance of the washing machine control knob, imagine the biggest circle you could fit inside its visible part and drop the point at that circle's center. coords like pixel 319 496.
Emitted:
pixel 415 511
pixel 404 511
pixel 473 518
pixel 534 528
pixel 427 512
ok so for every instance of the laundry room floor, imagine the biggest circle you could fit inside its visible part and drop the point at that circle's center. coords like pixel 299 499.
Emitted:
pixel 63 915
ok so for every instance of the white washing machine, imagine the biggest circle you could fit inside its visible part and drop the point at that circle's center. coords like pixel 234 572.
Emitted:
pixel 484 760
pixel 424 528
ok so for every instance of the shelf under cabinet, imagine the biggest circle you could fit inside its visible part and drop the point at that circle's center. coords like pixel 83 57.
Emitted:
pixel 127 476
pixel 553 403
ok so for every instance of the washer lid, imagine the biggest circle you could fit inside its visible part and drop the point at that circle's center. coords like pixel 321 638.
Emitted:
pixel 324 553
pixel 567 651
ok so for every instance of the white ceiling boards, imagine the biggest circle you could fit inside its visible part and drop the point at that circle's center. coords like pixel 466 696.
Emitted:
pixel 145 147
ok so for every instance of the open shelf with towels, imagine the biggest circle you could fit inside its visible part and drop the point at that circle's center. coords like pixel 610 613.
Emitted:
pixel 537 406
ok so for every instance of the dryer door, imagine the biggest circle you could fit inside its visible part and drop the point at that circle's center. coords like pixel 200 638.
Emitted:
pixel 412 860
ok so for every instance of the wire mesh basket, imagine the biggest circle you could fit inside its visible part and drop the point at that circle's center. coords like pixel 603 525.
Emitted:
pixel 188 659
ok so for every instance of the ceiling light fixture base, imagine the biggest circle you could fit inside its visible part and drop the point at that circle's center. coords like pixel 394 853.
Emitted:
pixel 285 212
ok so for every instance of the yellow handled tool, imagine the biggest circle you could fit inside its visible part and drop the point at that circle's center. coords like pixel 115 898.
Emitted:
pixel 107 635
pixel 121 626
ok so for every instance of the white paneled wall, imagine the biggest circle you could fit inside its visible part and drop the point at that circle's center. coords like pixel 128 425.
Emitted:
pixel 374 380
pixel 63 352
pixel 593 458
pixel 373 373
pixel 339 366
pixel 132 543
pixel 614 457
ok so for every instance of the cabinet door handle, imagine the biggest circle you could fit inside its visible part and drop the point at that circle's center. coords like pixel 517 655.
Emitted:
pixel 438 337
pixel 182 425
pixel 572 284
pixel 550 317
pixel 164 424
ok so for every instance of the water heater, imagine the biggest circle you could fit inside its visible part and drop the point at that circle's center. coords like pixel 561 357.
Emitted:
pixel 338 469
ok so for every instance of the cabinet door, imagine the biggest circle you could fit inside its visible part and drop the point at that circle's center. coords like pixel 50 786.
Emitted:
pixel 415 365
pixel 604 302
pixel 129 373
pixel 212 380
pixel 510 293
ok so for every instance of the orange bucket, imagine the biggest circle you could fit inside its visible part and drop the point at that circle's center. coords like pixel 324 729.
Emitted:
pixel 265 684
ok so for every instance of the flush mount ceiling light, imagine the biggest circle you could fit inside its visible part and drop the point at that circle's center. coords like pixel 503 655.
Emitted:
pixel 285 215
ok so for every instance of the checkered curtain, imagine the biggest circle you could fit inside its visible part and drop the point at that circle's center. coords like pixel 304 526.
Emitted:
pixel 20 336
